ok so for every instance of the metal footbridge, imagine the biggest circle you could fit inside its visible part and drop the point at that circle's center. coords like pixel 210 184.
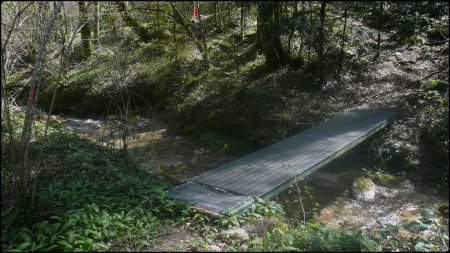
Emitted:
pixel 269 171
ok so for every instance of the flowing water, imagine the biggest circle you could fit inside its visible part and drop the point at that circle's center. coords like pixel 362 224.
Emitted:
pixel 325 193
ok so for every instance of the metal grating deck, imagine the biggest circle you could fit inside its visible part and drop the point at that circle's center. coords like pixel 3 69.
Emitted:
pixel 263 172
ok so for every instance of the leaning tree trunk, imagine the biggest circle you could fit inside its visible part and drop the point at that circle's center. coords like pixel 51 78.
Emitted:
pixel 85 31
pixel 201 45
pixel 28 121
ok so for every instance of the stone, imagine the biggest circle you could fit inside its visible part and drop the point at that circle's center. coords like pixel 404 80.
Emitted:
pixel 387 193
pixel 237 233
pixel 443 210
pixel 214 248
pixel 398 55
pixel 363 189
pixel 261 226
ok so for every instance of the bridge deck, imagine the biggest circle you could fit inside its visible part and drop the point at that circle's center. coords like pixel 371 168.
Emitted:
pixel 267 171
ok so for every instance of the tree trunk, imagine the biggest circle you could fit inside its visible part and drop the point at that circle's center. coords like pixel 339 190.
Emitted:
pixel 321 42
pixel 379 30
pixel 32 98
pixel 310 25
pixel 85 31
pixel 267 33
pixel 112 18
pixel 302 39
pixel 241 35
pixel 143 34
pixel 291 34
pixel 341 62
pixel 96 22
pixel 174 31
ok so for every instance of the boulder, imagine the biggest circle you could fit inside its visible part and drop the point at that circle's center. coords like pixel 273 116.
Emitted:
pixel 214 248
pixel 398 55
pixel 363 189
pixel 443 210
pixel 234 233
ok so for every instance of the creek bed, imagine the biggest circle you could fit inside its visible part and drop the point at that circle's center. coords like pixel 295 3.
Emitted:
pixel 326 197
pixel 325 193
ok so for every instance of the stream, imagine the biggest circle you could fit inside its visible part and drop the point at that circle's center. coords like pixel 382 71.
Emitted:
pixel 325 193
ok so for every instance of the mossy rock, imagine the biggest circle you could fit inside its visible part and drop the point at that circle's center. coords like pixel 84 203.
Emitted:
pixel 280 225
pixel 443 209
pixel 363 189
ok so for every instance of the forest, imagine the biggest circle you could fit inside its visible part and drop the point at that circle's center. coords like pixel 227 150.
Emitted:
pixel 107 105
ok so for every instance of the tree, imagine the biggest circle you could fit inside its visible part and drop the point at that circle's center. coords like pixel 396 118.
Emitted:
pixel 143 33
pixel 201 45
pixel 96 22
pixel 380 13
pixel 85 31
pixel 268 40
pixel 341 62
pixel 22 191
pixel 321 42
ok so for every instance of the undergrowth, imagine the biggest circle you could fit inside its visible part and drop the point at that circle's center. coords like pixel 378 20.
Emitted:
pixel 91 198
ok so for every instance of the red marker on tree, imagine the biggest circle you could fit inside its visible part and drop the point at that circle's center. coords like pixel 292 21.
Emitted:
pixel 196 7
pixel 195 11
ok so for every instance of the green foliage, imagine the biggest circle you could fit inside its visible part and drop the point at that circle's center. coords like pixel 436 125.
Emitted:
pixel 313 237
pixel 418 142
pixel 259 209
pixel 97 197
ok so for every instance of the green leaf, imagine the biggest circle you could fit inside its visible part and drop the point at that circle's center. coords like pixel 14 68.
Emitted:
pixel 67 224
pixel 50 248
pixel 52 240
pixel 63 243
pixel 420 246
pixel 100 245
pixel 25 236
pixel 23 245
pixel 121 225
pixel 37 248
